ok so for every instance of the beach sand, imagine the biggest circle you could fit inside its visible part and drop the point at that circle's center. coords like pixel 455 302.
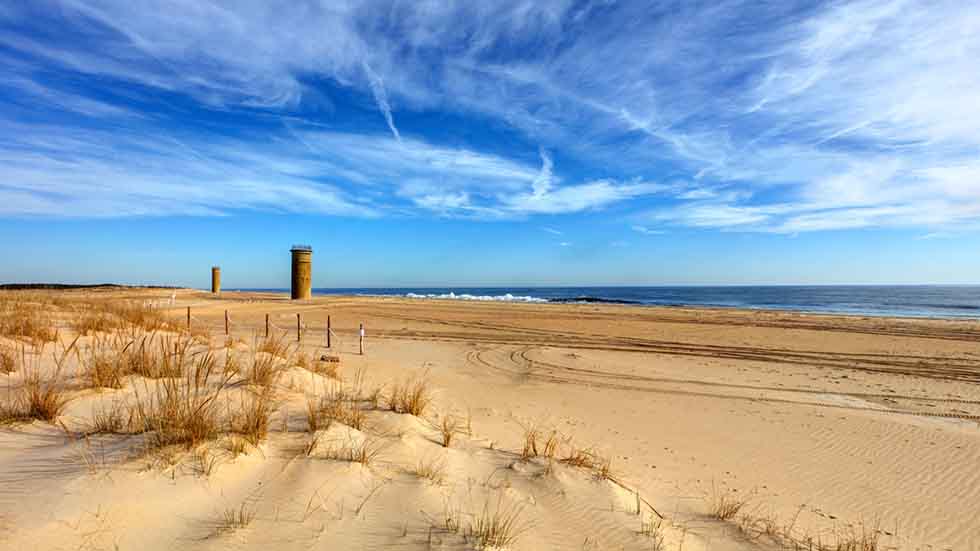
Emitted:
pixel 826 427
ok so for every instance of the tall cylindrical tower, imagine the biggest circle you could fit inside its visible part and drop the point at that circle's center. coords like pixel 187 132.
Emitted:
pixel 302 272
pixel 215 279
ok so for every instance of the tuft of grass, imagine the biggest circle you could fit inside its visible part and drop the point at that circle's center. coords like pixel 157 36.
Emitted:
pixel 236 518
pixel 111 359
pixel 364 452
pixel 535 444
pixel 725 505
pixel 181 411
pixel 448 429
pixel 498 527
pixel 276 347
pixel 267 366
pixel 23 317
pixel 374 397
pixel 653 531
pixel 314 419
pixel 236 446
pixel 412 397
pixel 328 366
pixel 206 461
pixel 252 419
pixel 551 445
pixel 433 470
pixel 157 358
pixel 584 458
pixel 451 519
pixel 232 365
pixel 581 458
pixel 108 421
pixel 92 322
pixel 138 314
pixel 40 398
pixel 603 469
pixel 8 360
pixel 530 448
pixel 102 367
pixel 338 406
pixel 857 538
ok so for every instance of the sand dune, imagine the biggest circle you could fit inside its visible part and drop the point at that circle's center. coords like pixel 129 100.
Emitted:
pixel 826 427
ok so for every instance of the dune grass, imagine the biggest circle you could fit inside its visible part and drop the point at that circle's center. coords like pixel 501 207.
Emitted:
pixel 41 398
pixel 26 317
pixel 111 358
pixel 433 470
pixel 252 419
pixel 267 363
pixel 182 411
pixel 725 505
pixel 8 360
pixel 652 529
pixel 92 322
pixel 364 452
pixel 411 397
pixel 448 429
pixel 109 420
pixel 496 527
pixel 338 405
pixel 235 518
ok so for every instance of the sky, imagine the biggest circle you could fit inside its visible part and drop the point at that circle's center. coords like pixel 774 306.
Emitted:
pixel 490 143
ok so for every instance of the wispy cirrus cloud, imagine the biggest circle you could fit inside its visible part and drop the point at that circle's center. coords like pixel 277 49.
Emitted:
pixel 51 171
pixel 381 97
pixel 798 117
pixel 645 230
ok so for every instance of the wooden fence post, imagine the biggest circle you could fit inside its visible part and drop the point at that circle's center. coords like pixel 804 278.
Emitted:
pixel 267 326
pixel 328 331
pixel 226 322
pixel 360 339
pixel 298 337
pixel 188 319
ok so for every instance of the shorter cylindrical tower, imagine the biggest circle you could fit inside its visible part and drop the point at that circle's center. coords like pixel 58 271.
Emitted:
pixel 302 287
pixel 215 279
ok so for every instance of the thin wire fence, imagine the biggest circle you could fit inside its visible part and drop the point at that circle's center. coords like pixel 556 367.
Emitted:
pixel 290 326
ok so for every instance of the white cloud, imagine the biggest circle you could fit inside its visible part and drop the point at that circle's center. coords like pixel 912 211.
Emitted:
pixel 381 96
pixel 840 115
pixel 576 198
pixel 56 171
pixel 645 230
pixel 543 183
pixel 553 231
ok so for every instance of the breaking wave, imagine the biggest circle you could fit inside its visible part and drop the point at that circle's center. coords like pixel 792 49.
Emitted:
pixel 489 298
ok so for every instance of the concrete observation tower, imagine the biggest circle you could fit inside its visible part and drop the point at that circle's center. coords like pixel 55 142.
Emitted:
pixel 302 272
pixel 215 279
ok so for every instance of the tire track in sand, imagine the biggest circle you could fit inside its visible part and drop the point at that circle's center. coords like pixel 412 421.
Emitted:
pixel 521 371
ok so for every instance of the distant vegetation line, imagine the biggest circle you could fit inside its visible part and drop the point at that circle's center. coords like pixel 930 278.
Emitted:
pixel 23 286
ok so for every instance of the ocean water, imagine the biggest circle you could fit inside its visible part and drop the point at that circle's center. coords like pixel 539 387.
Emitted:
pixel 940 301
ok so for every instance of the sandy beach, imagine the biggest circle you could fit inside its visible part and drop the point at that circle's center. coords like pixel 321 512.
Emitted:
pixel 818 430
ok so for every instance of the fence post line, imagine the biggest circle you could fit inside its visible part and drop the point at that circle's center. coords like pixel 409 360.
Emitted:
pixel 267 326
pixel 188 319
pixel 298 337
pixel 328 331
pixel 226 322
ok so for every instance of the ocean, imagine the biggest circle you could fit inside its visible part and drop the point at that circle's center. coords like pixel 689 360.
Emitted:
pixel 938 301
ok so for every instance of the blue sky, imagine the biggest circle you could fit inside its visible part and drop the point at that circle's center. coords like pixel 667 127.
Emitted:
pixel 490 143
